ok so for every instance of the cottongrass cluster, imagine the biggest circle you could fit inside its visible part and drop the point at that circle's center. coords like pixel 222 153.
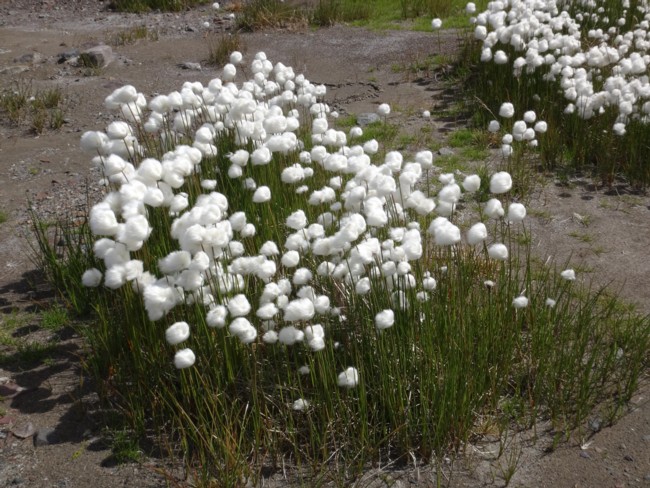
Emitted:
pixel 257 272
pixel 363 228
pixel 582 64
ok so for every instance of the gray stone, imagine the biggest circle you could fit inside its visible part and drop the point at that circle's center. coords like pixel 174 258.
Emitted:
pixel 68 55
pixel 14 70
pixel 191 66
pixel 367 118
pixel 595 424
pixel 97 57
pixel 29 58
pixel 23 431
pixel 446 151
pixel 585 454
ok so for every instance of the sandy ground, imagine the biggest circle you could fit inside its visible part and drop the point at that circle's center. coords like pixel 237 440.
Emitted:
pixel 605 230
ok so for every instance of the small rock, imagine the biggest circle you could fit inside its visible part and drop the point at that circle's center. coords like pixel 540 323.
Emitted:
pixel 445 151
pixel 595 424
pixel 367 118
pixel 44 437
pixel 68 55
pixel 585 454
pixel 23 431
pixel 646 438
pixel 14 70
pixel 629 458
pixel 97 57
pixel 29 58
pixel 191 66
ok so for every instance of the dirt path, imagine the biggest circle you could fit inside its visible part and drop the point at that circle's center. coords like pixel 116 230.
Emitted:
pixel 607 231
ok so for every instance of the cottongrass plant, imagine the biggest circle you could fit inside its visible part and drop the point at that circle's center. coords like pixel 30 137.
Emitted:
pixel 583 67
pixel 269 292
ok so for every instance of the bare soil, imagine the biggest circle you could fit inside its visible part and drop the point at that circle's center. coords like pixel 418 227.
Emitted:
pixel 50 423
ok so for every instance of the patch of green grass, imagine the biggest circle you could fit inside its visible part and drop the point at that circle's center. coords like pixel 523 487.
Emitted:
pixel 3 216
pixel 220 47
pixel 54 318
pixel 40 110
pixel 582 237
pixel 139 6
pixel 125 448
pixel 26 353
pixel 133 35
pixel 265 14
pixel 384 132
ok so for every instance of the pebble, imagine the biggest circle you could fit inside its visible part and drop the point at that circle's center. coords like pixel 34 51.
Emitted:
pixel 445 151
pixel 595 424
pixel 23 431
pixel 367 118
pixel 191 66
pixel 14 70
pixel 29 58
pixel 585 455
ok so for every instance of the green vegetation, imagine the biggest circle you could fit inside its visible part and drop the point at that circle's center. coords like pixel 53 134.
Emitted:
pixel 133 35
pixel 16 347
pixel 264 14
pixel 576 140
pixel 137 6
pixel 241 407
pixel 221 46
pixel 39 110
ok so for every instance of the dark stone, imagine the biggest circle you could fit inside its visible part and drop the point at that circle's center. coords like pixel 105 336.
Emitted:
pixel 96 57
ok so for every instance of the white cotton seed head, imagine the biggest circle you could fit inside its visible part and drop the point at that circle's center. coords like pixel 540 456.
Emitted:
pixel 269 248
pixel 297 220
pixel 507 110
pixel 384 319
pixel 91 278
pixel 217 317
pixel 500 182
pixel 498 251
pixel 472 183
pixel 568 274
pixel 520 302
pixel 238 306
pixel 177 333
pixel 530 116
pixel 262 194
pixel 300 405
pixel 516 212
pixel 299 309
pixel 184 358
pixel 348 378
pixel 476 234
pixel 290 259
pixel 290 335
pixel 494 209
